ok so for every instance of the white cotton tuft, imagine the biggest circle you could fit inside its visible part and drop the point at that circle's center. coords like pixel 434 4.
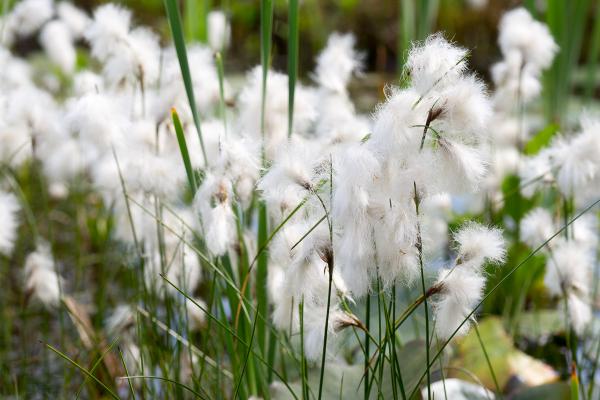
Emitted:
pixel 580 312
pixel 436 63
pixel 9 209
pixel 29 15
pixel 520 32
pixel 478 244
pixel 461 290
pixel 41 278
pixel 75 19
pixel 213 202
pixel 219 30
pixel 291 177
pixel 577 160
pixel 466 109
pixel 463 166
pixel 109 27
pixel 537 227
pixel 337 62
pixel 58 44
pixel 568 268
pixel 195 315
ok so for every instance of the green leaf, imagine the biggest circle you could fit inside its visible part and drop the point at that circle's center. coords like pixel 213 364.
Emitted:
pixel 185 155
pixel 178 40
pixel 541 139
pixel 292 60
pixel 550 391
pixel 507 360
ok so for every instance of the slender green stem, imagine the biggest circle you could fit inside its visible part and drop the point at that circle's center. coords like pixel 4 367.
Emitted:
pixel 488 361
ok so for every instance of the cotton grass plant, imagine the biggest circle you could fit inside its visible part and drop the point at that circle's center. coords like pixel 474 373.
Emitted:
pixel 173 236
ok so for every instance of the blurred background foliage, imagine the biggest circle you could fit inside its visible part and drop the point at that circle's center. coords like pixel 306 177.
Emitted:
pixel 384 30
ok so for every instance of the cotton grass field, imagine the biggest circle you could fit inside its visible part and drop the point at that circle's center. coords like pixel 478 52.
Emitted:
pixel 197 201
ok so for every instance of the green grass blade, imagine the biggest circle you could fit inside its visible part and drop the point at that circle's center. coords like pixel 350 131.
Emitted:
pixel 261 270
pixel 593 54
pixel 248 351
pixel 82 369
pixel 171 381
pixel 95 365
pixel 185 155
pixel 292 59
pixel 127 373
pixel 178 40
pixel 221 75
pixel 487 360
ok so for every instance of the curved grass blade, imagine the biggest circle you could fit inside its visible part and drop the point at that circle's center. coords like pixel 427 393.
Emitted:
pixel 184 150
pixel 127 373
pixel 179 41
pixel 160 378
pixel 82 369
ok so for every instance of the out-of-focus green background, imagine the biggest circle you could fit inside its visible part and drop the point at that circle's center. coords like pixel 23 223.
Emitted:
pixel 377 24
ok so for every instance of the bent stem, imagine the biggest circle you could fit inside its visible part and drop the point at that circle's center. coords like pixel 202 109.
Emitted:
pixel 419 246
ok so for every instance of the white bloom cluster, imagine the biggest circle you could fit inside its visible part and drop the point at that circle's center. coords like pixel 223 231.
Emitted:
pixel 9 209
pixel 427 140
pixel 572 163
pixel 429 137
pixel 359 200
pixel 460 288
pixel 42 281
pixel 570 260
pixel 528 49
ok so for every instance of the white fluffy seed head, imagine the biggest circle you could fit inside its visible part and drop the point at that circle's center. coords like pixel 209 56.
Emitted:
pixel 213 202
pixel 478 244
pixel 57 41
pixel 580 311
pixel 75 19
pixel 42 282
pixel 337 62
pixel 109 27
pixel 537 227
pixel 219 30
pixel 9 209
pixel 520 32
pixel 568 268
pixel 436 63
pixel 29 15
pixel 461 290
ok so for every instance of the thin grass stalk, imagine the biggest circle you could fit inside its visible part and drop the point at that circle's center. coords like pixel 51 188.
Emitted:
pixel 171 381
pixel 95 365
pixel 222 108
pixel 131 390
pixel 488 361
pixel 396 365
pixel 419 245
pixel 83 370
pixel 324 351
pixel 266 27
pixel 367 345
pixel 183 149
pixel 293 12
pixel 178 40
pixel 237 387
pixel 500 282
pixel 231 332
pixel 303 365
